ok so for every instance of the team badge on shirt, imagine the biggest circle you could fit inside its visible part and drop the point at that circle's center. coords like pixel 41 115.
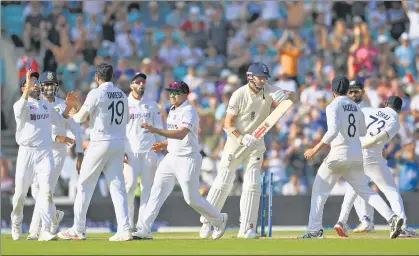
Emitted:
pixel 45 107
pixel 252 115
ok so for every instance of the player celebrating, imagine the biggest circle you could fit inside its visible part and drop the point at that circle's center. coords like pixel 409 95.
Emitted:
pixel 345 124
pixel 34 119
pixel 183 162
pixel 383 125
pixel 248 108
pixel 49 89
pixel 107 106
pixel 138 142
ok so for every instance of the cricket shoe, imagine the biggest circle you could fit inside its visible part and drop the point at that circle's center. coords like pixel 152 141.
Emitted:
pixel 46 236
pixel 32 236
pixel 71 234
pixel 142 235
pixel 310 235
pixel 219 231
pixel 56 225
pixel 341 229
pixel 366 226
pixel 205 231
pixel 16 231
pixel 408 232
pixel 121 236
pixel 396 224
pixel 250 234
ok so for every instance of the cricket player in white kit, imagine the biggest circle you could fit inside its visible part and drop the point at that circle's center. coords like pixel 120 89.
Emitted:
pixel 382 125
pixel 140 159
pixel 49 89
pixel 34 135
pixel 183 162
pixel 247 109
pixel 346 124
pixel 107 106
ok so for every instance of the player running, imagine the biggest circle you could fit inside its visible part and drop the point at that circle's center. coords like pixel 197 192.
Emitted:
pixel 107 106
pixel 346 124
pixel 248 108
pixel 34 135
pixel 140 160
pixel 49 89
pixel 183 163
pixel 383 125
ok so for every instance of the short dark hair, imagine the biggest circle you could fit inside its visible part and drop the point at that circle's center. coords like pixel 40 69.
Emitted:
pixel 104 72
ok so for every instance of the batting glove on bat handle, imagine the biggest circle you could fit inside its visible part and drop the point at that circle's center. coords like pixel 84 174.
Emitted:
pixel 249 141
pixel 279 96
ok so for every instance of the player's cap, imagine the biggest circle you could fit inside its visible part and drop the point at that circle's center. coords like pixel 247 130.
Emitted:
pixel 48 77
pixel 23 78
pixel 139 74
pixel 356 85
pixel 258 69
pixel 340 84
pixel 178 86
pixel 396 102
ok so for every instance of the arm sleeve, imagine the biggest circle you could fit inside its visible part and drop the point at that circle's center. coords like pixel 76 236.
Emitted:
pixel 19 108
pixel 80 116
pixel 381 137
pixel 332 124
pixel 187 120
pixel 75 128
pixel 233 105
pixel 158 123
pixel 91 102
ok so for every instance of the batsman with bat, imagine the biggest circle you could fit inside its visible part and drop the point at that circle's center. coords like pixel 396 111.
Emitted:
pixel 249 106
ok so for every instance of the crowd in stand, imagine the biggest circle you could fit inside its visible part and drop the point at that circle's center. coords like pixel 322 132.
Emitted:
pixel 210 45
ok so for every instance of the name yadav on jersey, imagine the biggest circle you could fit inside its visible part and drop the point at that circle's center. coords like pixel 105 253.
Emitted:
pixel 350 108
pixel 115 95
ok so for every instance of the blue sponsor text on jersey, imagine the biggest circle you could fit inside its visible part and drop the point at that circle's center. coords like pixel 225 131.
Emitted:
pixel 39 116
pixel 140 115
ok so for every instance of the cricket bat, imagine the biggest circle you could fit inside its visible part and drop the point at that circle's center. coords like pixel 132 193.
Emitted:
pixel 268 123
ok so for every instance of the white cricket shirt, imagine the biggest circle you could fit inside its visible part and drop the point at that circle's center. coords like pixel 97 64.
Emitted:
pixel 108 108
pixel 59 106
pixel 251 109
pixel 380 120
pixel 345 125
pixel 34 119
pixel 139 140
pixel 183 116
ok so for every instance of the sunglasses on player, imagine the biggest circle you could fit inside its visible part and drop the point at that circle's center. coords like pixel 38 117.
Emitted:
pixel 354 91
pixel 176 93
pixel 49 84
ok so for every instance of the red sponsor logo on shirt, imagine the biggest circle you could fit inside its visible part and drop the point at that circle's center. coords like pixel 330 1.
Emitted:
pixel 32 107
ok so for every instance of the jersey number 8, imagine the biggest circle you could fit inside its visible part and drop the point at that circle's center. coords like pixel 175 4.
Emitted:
pixel 351 127
pixel 117 109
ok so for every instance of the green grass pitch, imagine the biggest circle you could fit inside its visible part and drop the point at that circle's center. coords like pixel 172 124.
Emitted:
pixel 282 243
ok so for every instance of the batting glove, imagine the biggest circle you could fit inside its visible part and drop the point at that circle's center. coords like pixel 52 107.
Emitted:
pixel 249 141
pixel 279 96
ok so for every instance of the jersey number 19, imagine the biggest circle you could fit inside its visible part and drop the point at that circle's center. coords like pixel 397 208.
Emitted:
pixel 118 110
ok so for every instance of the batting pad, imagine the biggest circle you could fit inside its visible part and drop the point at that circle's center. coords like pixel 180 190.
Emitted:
pixel 220 190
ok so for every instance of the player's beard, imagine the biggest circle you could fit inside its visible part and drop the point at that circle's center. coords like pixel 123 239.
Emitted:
pixel 141 92
pixel 35 93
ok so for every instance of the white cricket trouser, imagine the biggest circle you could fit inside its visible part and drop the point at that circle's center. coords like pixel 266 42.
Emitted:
pixel 59 155
pixel 145 165
pixel 223 183
pixel 377 170
pixel 31 162
pixel 186 169
pixel 326 178
pixel 106 157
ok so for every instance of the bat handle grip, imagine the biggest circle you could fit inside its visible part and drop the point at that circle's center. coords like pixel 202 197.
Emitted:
pixel 240 152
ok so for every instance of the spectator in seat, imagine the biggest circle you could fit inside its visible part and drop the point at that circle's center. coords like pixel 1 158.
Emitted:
pixel 294 187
